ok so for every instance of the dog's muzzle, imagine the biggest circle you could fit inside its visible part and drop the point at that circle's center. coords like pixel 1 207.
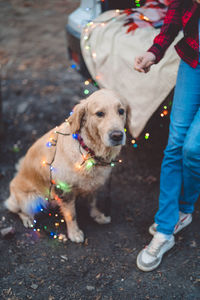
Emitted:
pixel 116 137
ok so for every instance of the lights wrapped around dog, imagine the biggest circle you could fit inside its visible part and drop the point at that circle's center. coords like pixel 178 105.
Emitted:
pixel 88 162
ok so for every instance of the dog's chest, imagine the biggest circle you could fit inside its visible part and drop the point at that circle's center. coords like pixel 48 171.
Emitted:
pixel 94 179
pixel 84 180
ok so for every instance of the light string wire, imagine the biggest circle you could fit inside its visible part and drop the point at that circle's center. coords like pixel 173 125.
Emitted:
pixel 52 183
pixel 87 32
pixel 54 142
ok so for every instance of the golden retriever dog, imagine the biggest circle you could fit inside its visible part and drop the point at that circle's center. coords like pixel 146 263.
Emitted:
pixel 72 159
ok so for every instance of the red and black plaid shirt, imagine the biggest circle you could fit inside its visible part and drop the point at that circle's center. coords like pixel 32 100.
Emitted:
pixel 181 14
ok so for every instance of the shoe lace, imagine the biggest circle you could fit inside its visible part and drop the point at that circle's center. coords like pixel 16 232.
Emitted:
pixel 155 245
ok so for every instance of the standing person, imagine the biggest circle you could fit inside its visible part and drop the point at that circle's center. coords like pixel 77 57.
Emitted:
pixel 180 171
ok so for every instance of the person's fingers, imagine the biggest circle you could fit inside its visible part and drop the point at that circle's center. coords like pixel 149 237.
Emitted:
pixel 138 59
pixel 139 63
pixel 147 69
pixel 138 69
pixel 143 64
pixel 149 64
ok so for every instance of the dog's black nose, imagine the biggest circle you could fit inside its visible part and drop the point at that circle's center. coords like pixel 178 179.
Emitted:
pixel 116 135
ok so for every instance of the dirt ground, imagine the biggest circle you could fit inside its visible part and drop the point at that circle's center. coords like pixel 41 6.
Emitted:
pixel 39 89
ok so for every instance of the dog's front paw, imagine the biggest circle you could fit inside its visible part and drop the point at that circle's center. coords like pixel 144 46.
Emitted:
pixel 102 219
pixel 76 235
pixel 27 220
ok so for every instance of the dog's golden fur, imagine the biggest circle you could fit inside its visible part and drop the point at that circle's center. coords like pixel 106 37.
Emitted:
pixel 33 179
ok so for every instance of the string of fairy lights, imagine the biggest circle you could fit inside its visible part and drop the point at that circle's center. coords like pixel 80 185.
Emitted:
pixel 63 186
pixel 163 113
pixel 86 91
pixel 93 24
pixel 88 161
pixel 57 188
pixel 136 2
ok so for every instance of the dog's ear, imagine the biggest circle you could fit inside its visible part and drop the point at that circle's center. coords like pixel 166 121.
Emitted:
pixel 76 118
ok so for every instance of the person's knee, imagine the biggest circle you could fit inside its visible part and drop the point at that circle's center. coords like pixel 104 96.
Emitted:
pixel 191 156
pixel 175 140
pixel 174 147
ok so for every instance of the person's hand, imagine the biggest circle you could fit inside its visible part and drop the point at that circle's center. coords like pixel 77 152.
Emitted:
pixel 198 1
pixel 144 62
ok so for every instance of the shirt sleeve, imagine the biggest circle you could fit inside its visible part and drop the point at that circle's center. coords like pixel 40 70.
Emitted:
pixel 169 30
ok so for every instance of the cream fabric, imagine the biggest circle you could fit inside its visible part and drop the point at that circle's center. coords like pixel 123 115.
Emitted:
pixel 109 54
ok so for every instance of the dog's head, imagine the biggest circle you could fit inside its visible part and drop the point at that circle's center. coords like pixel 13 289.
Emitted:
pixel 102 115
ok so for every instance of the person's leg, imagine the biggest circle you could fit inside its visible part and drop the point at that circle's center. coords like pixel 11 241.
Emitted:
pixel 191 166
pixel 185 106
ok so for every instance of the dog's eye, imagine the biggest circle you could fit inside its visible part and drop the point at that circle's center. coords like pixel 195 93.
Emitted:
pixel 100 114
pixel 121 111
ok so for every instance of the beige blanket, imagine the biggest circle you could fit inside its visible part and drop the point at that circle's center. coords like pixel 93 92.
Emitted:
pixel 109 54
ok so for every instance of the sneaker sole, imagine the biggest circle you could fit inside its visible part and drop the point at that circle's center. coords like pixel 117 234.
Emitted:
pixel 148 269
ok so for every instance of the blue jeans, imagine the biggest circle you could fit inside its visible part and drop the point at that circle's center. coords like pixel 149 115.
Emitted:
pixel 180 171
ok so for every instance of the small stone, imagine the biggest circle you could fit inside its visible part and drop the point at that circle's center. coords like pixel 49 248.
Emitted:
pixel 7 292
pixel 150 179
pixel 64 257
pixel 34 132
pixel 193 244
pixel 34 286
pixel 98 276
pixel 5 232
pixel 22 107
pixel 90 288
pixel 24 82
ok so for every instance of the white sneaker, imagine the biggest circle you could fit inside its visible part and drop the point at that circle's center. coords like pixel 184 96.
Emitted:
pixel 184 220
pixel 151 256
